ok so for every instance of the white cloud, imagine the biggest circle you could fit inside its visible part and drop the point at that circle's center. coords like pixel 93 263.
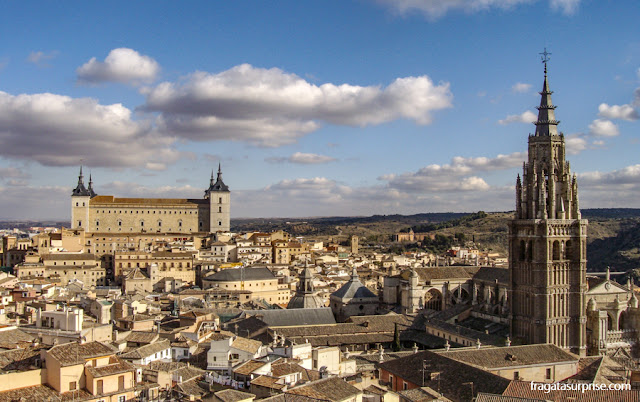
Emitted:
pixel 525 117
pixel 618 188
pixel 626 175
pixel 121 65
pixel 40 58
pixel 57 130
pixel 13 173
pixel 303 159
pixel 269 107
pixel 575 143
pixel 434 9
pixel 623 112
pixel 520 87
pixel 34 202
pixel 131 189
pixel 603 128
pixel 567 7
pixel 454 177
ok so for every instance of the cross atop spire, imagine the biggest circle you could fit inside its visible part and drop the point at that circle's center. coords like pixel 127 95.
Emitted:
pixel 546 124
pixel 544 56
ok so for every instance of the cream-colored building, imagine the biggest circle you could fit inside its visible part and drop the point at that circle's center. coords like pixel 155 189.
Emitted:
pixel 107 213
pixel 82 267
pixel 157 264
pixel 261 282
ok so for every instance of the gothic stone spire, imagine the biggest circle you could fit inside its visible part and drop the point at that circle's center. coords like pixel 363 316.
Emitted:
pixel 546 123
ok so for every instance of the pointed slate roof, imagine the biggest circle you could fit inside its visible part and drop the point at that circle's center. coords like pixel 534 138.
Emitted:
pixel 80 189
pixel 546 124
pixel 353 289
pixel 219 184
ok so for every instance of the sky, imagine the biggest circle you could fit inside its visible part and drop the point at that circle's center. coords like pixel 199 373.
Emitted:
pixel 313 108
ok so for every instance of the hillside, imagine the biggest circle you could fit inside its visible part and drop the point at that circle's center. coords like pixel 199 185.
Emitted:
pixel 613 234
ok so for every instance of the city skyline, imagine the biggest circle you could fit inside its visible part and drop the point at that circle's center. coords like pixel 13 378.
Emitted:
pixel 314 109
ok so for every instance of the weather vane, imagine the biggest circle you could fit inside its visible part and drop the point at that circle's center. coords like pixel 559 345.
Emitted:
pixel 545 56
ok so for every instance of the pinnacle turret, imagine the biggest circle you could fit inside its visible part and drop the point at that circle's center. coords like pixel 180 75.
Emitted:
pixel 90 188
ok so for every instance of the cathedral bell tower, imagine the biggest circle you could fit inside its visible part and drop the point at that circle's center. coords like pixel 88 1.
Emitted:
pixel 547 242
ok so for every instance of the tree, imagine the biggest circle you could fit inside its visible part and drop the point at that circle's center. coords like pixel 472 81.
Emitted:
pixel 396 339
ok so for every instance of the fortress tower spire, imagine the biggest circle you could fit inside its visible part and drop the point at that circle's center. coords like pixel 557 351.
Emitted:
pixel 80 189
pixel 219 200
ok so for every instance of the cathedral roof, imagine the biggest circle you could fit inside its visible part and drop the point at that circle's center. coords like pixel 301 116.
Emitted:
pixel 305 301
pixel 353 289
pixel 236 274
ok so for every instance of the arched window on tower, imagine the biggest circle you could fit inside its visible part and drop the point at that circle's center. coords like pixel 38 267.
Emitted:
pixel 530 251
pixel 523 250
pixel 569 252
pixel 556 251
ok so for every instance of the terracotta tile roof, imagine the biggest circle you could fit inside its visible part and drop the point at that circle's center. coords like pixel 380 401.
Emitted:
pixel 137 317
pixel 35 393
pixel 453 378
pixel 267 382
pixel 68 256
pixel 191 388
pixel 148 350
pixel 248 367
pixel 523 389
pixel 116 366
pixel 363 329
pixel 232 395
pixel 441 273
pixel 69 354
pixel 482 397
pixel 293 317
pixel 109 200
pixel 490 274
pixel 142 337
pixel 19 359
pixel 10 337
pixel 422 394
pixel 284 368
pixel 247 345
pixel 328 389
pixel 511 356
